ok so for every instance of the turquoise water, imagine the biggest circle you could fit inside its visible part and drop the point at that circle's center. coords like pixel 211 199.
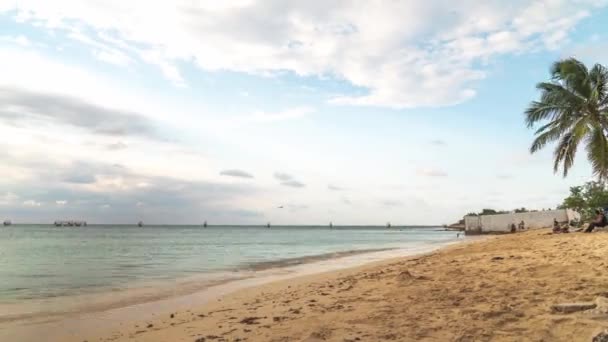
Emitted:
pixel 39 261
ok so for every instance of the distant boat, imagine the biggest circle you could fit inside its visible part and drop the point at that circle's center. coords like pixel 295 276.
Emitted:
pixel 205 224
pixel 331 225
pixel 388 225
pixel 69 223
pixel 140 224
pixel 7 223
pixel 268 225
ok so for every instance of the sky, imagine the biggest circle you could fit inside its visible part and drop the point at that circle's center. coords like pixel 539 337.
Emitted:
pixel 354 112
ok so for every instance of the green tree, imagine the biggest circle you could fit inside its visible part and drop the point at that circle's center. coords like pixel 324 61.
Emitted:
pixel 575 201
pixel 573 108
pixel 585 199
pixel 488 212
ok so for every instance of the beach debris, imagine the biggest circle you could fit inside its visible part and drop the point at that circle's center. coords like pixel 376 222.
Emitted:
pixel 601 308
pixel 250 320
pixel 200 339
pixel 572 307
pixel 350 287
pixel 150 325
pixel 172 315
pixel 229 332
pixel 407 275
pixel 295 311
pixel 497 258
pixel 601 337
pixel 322 333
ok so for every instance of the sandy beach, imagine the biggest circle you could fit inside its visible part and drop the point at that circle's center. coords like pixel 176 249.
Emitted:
pixel 498 289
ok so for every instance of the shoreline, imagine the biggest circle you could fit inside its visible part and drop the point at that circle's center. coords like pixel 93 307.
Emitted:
pixel 496 289
pixel 132 306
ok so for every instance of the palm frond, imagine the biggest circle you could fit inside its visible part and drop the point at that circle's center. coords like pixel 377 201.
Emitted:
pixel 572 107
pixel 598 75
pixel 546 134
pixel 573 74
pixel 597 153
pixel 568 145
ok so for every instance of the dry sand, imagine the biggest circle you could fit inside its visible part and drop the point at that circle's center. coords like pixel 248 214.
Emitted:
pixel 498 289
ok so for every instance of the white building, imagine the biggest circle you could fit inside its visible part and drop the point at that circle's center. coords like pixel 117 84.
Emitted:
pixel 501 223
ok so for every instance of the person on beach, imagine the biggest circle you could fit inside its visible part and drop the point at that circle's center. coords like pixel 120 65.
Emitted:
pixel 513 228
pixel 556 228
pixel 522 225
pixel 600 221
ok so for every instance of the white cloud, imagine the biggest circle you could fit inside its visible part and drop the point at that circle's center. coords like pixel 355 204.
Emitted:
pixel 391 203
pixel 168 69
pixel 20 40
pixel 403 54
pixel 438 142
pixel 293 184
pixel 288 114
pixel 32 203
pixel 284 177
pixel 288 180
pixel 430 172
pixel 236 173
pixel 8 198
pixel 117 146
pixel 113 57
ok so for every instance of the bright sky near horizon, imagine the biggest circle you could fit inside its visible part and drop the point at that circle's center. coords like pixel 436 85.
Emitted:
pixel 356 112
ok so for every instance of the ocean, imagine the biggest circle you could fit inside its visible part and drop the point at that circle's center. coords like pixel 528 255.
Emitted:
pixel 43 261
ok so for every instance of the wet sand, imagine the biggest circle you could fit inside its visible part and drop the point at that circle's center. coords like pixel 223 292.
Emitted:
pixel 91 315
pixel 498 289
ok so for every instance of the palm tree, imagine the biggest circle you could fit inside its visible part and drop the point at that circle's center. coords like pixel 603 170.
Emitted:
pixel 573 108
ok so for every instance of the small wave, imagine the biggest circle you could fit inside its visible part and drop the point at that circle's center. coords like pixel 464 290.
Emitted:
pixel 264 265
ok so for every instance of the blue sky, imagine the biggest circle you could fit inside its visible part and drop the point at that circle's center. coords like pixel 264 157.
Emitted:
pixel 351 112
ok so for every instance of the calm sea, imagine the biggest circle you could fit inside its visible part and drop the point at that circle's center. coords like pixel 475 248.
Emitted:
pixel 43 261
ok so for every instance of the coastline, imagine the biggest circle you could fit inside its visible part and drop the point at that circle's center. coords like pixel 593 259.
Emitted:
pixel 77 317
pixel 496 289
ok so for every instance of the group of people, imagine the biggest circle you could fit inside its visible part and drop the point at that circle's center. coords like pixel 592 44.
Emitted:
pixel 599 221
pixel 557 228
pixel 520 226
